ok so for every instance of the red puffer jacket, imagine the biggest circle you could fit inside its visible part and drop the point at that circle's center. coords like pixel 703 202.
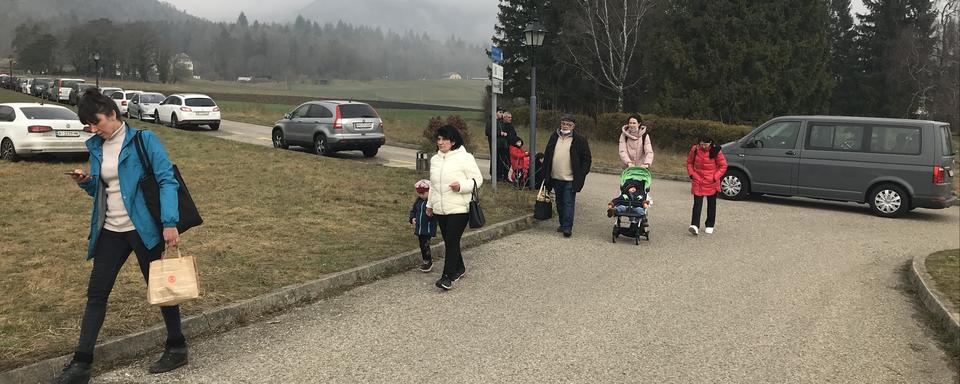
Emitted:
pixel 704 172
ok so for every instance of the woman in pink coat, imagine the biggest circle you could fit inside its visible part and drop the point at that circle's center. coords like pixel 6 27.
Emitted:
pixel 705 166
pixel 635 147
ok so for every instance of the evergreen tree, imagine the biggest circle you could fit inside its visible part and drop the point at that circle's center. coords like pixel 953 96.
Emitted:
pixel 843 60
pixel 242 20
pixel 895 45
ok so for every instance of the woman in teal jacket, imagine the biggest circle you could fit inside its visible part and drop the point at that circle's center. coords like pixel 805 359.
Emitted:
pixel 121 223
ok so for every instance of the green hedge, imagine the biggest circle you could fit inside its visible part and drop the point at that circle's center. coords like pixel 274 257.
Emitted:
pixel 666 132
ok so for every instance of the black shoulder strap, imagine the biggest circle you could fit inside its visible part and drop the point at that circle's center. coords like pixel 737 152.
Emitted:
pixel 142 154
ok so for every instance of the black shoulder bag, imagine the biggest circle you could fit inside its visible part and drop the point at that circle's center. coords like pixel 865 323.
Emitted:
pixel 189 215
pixel 476 214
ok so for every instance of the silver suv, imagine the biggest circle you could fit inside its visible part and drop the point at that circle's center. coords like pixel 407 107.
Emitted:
pixel 329 126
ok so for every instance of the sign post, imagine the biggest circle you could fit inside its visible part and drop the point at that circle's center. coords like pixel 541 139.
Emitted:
pixel 496 88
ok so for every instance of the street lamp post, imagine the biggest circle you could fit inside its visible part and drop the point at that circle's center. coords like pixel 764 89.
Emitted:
pixel 96 62
pixel 533 38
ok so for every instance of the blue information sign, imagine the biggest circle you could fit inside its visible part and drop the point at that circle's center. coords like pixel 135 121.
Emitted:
pixel 496 54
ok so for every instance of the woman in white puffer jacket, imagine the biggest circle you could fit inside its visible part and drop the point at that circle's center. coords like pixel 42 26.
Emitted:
pixel 454 175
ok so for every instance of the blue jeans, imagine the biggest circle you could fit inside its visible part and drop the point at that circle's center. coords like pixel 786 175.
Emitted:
pixel 638 210
pixel 566 200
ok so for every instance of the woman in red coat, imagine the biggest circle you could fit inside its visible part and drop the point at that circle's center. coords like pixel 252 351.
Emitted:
pixel 705 166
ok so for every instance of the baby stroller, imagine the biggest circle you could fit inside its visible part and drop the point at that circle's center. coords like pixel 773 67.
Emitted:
pixel 639 177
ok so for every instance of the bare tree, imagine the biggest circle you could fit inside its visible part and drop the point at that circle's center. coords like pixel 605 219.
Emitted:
pixel 604 40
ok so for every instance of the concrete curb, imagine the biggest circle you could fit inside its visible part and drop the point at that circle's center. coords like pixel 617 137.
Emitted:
pixel 943 310
pixel 132 346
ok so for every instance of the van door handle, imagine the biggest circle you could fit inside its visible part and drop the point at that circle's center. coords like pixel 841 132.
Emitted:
pixel 791 153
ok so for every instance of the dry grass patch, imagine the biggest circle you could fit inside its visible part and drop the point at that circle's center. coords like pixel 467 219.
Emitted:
pixel 272 218
pixel 944 267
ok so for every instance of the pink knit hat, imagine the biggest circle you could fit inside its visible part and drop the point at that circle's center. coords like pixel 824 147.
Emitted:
pixel 422 186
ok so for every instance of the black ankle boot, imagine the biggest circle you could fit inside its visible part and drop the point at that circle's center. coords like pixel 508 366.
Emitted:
pixel 74 372
pixel 172 358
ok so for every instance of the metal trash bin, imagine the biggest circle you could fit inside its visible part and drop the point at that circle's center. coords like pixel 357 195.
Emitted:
pixel 423 161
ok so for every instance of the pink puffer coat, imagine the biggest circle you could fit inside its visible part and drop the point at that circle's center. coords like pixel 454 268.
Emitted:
pixel 704 172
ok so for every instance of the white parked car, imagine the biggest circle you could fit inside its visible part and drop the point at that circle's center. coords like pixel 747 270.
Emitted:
pixel 188 109
pixel 144 105
pixel 33 128
pixel 122 99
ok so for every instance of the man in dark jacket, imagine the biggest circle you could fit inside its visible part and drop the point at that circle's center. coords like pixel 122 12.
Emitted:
pixel 566 163
pixel 494 169
pixel 508 135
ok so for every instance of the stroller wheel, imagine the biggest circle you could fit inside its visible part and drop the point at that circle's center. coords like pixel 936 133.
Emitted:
pixel 636 240
pixel 615 233
pixel 648 235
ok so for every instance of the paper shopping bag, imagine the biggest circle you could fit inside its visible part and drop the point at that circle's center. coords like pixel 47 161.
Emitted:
pixel 173 280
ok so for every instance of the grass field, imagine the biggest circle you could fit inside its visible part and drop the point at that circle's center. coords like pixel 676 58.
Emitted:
pixel 297 219
pixel 457 93
pixel 944 267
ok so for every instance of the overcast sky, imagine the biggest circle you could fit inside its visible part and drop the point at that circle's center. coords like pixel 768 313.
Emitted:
pixel 471 20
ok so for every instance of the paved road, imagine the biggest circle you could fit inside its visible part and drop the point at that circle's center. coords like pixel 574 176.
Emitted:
pixel 388 155
pixel 787 290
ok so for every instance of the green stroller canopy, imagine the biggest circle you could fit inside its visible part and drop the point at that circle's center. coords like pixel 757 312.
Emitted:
pixel 637 174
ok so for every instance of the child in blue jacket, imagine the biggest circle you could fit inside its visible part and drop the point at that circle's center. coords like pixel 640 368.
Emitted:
pixel 425 227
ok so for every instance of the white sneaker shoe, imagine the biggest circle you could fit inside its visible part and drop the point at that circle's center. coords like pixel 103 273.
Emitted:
pixel 709 230
pixel 694 230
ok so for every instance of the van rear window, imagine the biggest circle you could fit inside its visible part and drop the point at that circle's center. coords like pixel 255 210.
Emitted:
pixel 947 141
pixel 353 111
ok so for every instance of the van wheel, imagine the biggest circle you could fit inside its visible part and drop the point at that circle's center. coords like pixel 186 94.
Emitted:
pixel 734 185
pixel 8 151
pixel 320 146
pixel 889 200
pixel 370 152
pixel 279 141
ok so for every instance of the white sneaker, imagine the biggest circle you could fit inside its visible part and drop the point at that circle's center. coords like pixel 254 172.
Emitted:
pixel 694 230
pixel 709 230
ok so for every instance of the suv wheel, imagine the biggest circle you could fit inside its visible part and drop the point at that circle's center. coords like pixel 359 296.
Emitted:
pixel 370 152
pixel 215 126
pixel 173 121
pixel 889 200
pixel 320 146
pixel 279 141
pixel 734 185
pixel 156 117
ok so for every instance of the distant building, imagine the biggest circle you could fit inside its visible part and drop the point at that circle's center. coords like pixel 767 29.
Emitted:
pixel 452 76
pixel 245 79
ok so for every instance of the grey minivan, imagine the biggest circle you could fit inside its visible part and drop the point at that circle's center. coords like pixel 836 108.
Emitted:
pixel 325 127
pixel 894 165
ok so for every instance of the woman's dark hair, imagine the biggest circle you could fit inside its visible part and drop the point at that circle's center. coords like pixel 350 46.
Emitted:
pixel 451 133
pixel 714 148
pixel 93 102
pixel 639 119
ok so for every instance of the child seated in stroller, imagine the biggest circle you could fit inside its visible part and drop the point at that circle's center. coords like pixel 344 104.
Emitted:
pixel 519 164
pixel 632 203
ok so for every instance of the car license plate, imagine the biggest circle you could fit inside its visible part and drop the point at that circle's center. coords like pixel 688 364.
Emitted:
pixel 202 113
pixel 68 134
pixel 363 125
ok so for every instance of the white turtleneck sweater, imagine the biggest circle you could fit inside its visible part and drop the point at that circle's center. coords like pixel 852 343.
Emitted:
pixel 117 218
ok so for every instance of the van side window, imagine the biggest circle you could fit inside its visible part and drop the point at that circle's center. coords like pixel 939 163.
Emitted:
pixel 895 140
pixel 835 137
pixel 780 135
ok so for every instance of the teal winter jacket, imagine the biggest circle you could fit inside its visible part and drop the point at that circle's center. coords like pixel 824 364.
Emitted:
pixel 130 172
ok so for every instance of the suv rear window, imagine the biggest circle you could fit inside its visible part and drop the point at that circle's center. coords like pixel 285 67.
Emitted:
pixel 200 102
pixel 41 113
pixel 151 98
pixel 353 111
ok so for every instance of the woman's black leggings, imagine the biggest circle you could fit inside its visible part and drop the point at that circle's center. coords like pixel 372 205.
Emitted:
pixel 111 252
pixel 711 210
pixel 452 227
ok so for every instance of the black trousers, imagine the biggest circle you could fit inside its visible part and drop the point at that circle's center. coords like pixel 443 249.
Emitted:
pixel 711 210
pixel 111 252
pixel 452 227
pixel 425 247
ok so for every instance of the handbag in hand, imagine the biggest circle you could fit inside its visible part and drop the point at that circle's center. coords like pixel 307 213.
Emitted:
pixel 189 215
pixel 477 219
pixel 543 208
